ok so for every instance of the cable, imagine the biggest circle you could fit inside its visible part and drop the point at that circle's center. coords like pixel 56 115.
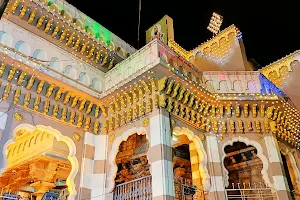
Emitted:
pixel 139 24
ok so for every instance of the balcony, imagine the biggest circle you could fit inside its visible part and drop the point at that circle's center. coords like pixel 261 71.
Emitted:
pixel 154 53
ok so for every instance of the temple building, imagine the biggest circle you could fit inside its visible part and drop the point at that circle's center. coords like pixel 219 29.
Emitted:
pixel 86 116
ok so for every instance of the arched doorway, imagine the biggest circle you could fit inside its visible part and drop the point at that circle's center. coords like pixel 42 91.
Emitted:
pixel 138 152
pixel 183 179
pixel 291 172
pixel 244 169
pixel 189 165
pixel 133 174
pixel 39 161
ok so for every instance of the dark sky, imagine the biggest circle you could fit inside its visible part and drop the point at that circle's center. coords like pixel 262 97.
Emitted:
pixel 270 30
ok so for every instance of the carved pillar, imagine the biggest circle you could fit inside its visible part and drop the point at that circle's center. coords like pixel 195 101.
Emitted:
pixel 42 187
pixel 277 169
pixel 217 190
pixel 160 155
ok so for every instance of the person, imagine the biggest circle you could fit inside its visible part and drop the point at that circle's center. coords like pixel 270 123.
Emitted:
pixel 156 33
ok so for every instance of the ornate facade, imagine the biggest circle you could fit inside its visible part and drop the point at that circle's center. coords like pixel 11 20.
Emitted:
pixel 83 115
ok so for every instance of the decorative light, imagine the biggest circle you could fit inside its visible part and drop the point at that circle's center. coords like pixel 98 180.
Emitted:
pixel 215 23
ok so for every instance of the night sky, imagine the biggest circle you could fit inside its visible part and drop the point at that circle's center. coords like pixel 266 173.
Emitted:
pixel 270 30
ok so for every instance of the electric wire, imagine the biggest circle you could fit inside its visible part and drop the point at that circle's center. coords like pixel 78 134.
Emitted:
pixel 139 23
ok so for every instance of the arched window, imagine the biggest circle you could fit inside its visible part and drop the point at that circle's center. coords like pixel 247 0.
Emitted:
pixel 6 39
pixel 56 64
pixel 96 84
pixel 40 54
pixel 83 78
pixel 70 71
pixel 22 47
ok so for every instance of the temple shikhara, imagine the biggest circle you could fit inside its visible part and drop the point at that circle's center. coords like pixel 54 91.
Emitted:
pixel 86 116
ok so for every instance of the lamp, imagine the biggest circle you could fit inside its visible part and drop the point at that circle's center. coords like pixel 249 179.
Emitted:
pixel 215 23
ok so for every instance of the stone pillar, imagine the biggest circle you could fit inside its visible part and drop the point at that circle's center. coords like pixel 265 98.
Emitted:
pixel 195 170
pixel 93 175
pixel 277 169
pixel 99 173
pixel 160 156
pixel 5 133
pixel 217 191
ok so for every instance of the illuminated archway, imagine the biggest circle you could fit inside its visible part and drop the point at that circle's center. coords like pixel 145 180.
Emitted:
pixel 292 167
pixel 260 155
pixel 114 151
pixel 59 137
pixel 201 154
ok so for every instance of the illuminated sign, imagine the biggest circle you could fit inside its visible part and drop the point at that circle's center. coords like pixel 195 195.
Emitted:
pixel 162 30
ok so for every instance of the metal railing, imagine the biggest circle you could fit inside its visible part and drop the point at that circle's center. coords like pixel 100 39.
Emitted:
pixel 250 192
pixel 184 190
pixel 133 190
pixel 8 195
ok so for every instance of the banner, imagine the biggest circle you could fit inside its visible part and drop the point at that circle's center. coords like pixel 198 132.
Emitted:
pixel 162 30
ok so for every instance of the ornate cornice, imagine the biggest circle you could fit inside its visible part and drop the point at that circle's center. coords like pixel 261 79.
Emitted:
pixel 41 94
pixel 62 34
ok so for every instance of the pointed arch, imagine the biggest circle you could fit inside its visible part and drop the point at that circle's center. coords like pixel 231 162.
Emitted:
pixel 59 137
pixel 6 39
pixel 114 151
pixel 23 47
pixel 40 54
pixel 56 64
pixel 96 84
pixel 201 154
pixel 292 165
pixel 260 155
pixel 70 71
pixel 83 78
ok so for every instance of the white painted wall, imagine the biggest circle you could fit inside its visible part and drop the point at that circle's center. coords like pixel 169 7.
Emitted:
pixel 232 81
pixel 141 61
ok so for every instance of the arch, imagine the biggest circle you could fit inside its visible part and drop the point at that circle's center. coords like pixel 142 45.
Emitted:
pixel 206 50
pixel 294 64
pixel 223 86
pixel 210 85
pixel 56 64
pixel 114 151
pixel 260 155
pixel 70 71
pixel 222 42
pixel 6 39
pixel 231 36
pixel 293 165
pixel 23 47
pixel 96 84
pixel 237 86
pixel 83 78
pixel 59 137
pixel 201 154
pixel 40 54
pixel 251 86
